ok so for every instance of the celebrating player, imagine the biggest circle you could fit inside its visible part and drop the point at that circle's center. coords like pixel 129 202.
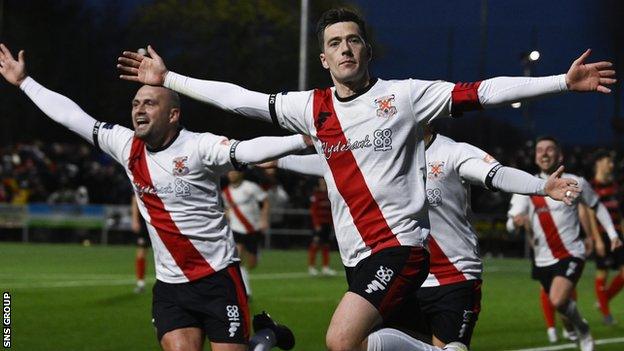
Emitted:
pixel 610 196
pixel 453 285
pixel 559 250
pixel 175 174
pixel 247 218
pixel 369 131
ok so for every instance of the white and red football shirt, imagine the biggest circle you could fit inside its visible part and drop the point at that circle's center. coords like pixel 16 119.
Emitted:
pixel 243 206
pixel 372 143
pixel 177 188
pixel 555 225
pixel 453 242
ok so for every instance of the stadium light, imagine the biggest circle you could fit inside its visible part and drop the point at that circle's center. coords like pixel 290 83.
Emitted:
pixel 534 56
pixel 516 105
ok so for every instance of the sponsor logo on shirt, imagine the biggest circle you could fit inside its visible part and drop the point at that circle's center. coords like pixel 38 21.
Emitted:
pixel 385 109
pixel 182 188
pixel 436 170
pixel 382 141
pixel 142 189
pixel 434 197
pixel 330 149
pixel 380 281
pixel 179 166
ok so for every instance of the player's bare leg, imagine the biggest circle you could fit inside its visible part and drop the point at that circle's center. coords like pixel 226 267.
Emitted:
pixel 561 297
pixel 351 323
pixel 184 339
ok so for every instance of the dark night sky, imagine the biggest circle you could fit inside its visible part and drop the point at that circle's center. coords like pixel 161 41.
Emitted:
pixel 415 40
pixel 442 40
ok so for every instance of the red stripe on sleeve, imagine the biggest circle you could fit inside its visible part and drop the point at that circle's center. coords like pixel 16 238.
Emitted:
pixel 465 97
pixel 349 179
pixel 186 256
pixel 553 238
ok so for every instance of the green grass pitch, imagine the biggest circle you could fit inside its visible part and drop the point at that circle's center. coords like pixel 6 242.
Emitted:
pixel 70 297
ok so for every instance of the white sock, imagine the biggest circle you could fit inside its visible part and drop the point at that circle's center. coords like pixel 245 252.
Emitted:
pixel 245 276
pixel 388 339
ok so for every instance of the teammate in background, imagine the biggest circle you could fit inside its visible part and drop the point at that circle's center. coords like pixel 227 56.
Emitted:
pixel 249 220
pixel 320 213
pixel 548 309
pixel 445 309
pixel 369 131
pixel 175 174
pixel 278 197
pixel 140 229
pixel 559 250
pixel 610 196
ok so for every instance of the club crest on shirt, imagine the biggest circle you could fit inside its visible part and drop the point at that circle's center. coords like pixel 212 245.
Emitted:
pixel 179 166
pixel 436 170
pixel 385 109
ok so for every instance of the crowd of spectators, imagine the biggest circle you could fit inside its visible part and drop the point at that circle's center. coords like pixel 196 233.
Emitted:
pixel 75 173
pixel 60 173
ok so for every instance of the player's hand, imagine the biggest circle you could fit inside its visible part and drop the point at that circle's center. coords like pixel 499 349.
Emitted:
pixel 562 189
pixel 267 165
pixel 615 244
pixel 307 140
pixel 519 221
pixel 149 70
pixel 13 71
pixel 590 76
pixel 599 246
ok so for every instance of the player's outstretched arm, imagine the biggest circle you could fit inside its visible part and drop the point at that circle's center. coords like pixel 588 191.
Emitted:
pixel 515 181
pixel 581 77
pixel 151 70
pixel 56 106
pixel 304 164
pixel 263 149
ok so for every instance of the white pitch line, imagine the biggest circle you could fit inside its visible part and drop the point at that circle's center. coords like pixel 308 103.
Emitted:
pixel 573 346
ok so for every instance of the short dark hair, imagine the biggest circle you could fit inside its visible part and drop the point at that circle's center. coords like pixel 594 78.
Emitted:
pixel 549 138
pixel 338 15
pixel 174 98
